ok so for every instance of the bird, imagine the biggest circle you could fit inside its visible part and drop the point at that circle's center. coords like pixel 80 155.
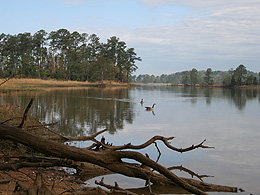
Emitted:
pixel 142 101
pixel 150 108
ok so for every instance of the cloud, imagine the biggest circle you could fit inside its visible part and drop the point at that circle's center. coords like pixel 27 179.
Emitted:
pixel 227 32
pixel 224 33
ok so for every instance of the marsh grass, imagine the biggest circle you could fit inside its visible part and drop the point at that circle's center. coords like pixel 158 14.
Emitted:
pixel 39 84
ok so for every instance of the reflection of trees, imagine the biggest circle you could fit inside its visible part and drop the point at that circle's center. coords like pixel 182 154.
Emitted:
pixel 240 96
pixel 208 94
pixel 91 109
pixel 78 111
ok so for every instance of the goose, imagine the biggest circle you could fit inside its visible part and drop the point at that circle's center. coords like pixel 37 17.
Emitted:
pixel 150 108
pixel 142 101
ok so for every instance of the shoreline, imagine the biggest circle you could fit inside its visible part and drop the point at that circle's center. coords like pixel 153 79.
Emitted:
pixel 201 86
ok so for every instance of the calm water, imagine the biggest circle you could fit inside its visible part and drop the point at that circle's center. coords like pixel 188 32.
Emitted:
pixel 228 119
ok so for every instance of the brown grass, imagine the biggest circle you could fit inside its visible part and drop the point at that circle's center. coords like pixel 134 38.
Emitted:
pixel 39 84
pixel 16 82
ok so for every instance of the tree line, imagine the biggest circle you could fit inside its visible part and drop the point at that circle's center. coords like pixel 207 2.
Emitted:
pixel 66 55
pixel 239 76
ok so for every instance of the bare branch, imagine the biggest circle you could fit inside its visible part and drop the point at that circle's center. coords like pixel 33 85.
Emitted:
pixel 10 120
pixel 135 147
pixel 158 152
pixel 181 168
pixel 25 114
pixel 152 140
pixel 115 188
pixel 82 138
pixel 192 147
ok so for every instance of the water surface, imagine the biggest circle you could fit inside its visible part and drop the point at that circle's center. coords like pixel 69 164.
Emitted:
pixel 228 119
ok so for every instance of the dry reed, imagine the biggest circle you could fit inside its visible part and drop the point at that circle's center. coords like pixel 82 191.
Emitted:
pixel 25 84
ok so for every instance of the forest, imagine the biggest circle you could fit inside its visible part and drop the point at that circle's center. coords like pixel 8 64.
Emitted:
pixel 233 77
pixel 65 55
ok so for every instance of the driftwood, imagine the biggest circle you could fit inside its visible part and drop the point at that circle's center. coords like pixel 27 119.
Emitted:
pixel 108 156
pixel 14 163
pixel 115 188
pixel 25 114
pixel 110 159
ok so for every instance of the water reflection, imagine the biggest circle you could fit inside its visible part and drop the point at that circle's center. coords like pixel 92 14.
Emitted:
pixel 86 110
pixel 238 97
pixel 78 112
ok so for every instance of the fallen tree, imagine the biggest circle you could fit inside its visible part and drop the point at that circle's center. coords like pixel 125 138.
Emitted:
pixel 109 157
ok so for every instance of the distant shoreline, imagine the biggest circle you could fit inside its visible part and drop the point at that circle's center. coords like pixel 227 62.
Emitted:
pixel 198 85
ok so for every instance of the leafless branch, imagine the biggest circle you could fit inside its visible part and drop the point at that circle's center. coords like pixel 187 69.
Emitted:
pixel 181 168
pixel 115 188
pixel 10 120
pixel 25 114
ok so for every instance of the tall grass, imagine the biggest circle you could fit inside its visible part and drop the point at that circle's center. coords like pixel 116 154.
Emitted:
pixel 32 84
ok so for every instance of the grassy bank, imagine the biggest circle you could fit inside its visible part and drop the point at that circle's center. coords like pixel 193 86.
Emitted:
pixel 39 84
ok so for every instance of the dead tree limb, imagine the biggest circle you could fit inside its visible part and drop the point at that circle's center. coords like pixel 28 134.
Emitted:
pixel 115 188
pixel 81 138
pixel 25 114
pixel 192 147
pixel 151 141
pixel 181 168
pixel 109 159
pixel 14 163
pixel 158 152
pixel 16 166
pixel 105 146
pixel 10 119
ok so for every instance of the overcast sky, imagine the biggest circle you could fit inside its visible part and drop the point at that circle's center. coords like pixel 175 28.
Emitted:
pixel 169 35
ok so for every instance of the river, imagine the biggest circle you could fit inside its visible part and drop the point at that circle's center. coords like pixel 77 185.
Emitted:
pixel 227 119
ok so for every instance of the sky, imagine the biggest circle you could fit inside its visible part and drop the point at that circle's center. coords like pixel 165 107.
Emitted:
pixel 169 35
